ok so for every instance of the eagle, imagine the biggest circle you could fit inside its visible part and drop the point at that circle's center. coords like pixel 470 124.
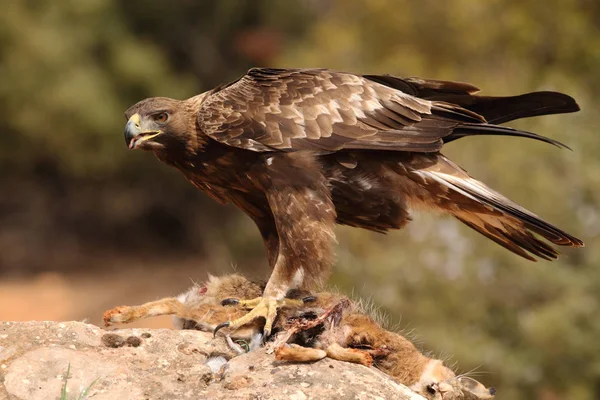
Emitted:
pixel 300 150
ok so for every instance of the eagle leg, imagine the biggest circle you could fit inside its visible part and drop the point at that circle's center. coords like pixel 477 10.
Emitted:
pixel 298 232
pixel 265 307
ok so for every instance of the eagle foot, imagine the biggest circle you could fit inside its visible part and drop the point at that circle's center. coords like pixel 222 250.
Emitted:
pixel 261 307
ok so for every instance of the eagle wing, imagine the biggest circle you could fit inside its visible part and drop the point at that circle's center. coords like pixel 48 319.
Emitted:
pixel 295 109
pixel 319 109
pixel 495 109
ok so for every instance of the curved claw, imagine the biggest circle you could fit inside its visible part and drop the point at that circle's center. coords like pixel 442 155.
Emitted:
pixel 230 302
pixel 309 299
pixel 220 326
pixel 266 334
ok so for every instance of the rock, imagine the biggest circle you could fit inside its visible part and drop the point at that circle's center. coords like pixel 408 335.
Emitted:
pixel 167 364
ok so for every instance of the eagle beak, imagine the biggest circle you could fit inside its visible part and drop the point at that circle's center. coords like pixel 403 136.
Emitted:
pixel 134 134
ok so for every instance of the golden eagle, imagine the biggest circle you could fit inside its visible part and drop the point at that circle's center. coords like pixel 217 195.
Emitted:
pixel 299 150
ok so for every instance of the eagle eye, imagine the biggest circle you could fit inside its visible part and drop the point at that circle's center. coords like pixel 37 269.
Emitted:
pixel 161 118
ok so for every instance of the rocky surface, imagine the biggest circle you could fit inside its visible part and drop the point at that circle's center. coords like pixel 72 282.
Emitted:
pixel 166 364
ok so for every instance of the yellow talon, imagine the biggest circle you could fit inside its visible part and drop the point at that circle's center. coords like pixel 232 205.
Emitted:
pixel 261 307
pixel 250 304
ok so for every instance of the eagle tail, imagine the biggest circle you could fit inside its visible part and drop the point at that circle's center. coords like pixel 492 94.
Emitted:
pixel 497 217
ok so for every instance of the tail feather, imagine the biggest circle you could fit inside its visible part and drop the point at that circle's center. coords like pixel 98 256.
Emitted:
pixel 485 195
pixel 500 220
pixel 507 242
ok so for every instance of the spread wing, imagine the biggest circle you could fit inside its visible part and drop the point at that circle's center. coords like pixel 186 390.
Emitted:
pixel 317 109
pixel 275 109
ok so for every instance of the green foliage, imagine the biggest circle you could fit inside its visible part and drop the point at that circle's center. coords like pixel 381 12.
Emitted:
pixel 72 193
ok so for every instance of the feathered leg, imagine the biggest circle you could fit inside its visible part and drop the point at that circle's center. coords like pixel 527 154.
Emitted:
pixel 303 218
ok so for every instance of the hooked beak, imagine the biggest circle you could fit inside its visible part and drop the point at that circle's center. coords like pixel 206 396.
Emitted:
pixel 134 135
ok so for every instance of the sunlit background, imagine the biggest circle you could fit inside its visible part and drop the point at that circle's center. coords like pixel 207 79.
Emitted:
pixel 86 224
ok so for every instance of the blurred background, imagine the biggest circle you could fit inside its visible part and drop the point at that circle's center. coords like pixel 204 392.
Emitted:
pixel 86 225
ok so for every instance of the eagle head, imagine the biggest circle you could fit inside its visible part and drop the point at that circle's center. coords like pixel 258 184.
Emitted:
pixel 157 123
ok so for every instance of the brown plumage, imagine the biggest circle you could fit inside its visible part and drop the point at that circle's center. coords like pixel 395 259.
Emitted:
pixel 299 150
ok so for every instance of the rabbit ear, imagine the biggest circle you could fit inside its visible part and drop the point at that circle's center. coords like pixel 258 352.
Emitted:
pixel 474 390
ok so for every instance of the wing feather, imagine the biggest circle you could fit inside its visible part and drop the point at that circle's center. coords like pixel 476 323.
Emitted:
pixel 292 109
pixel 496 110
pixel 295 109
